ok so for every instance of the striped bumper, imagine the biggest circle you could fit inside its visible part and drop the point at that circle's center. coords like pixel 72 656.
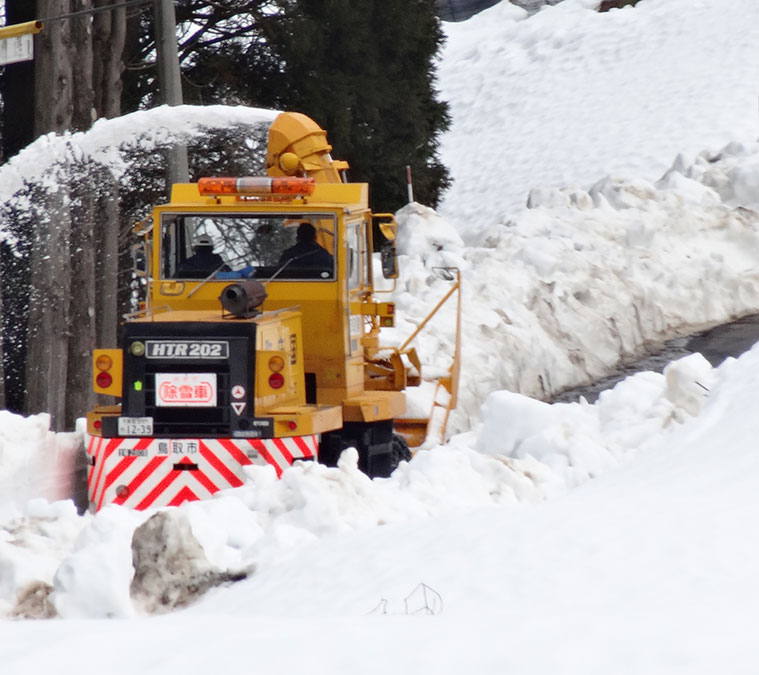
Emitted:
pixel 144 473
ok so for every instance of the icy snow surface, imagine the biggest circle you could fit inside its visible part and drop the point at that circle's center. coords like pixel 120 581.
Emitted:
pixel 569 538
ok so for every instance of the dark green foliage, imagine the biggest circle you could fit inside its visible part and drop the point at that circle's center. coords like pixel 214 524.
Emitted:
pixel 363 71
pixel 14 273
pixel 213 36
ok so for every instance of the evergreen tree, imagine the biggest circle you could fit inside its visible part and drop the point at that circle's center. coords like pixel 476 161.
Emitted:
pixel 17 92
pixel 364 71
pixel 50 274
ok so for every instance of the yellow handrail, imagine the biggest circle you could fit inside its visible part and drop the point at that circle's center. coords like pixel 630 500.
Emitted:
pixel 451 382
pixel 434 310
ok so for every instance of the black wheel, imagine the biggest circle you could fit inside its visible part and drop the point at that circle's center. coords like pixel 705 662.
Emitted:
pixel 330 448
pixel 400 452
pixel 373 440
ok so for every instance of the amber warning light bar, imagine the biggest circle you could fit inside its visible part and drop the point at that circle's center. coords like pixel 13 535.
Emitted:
pixel 257 185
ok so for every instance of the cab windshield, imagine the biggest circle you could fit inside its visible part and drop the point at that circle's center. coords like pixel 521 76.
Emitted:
pixel 260 246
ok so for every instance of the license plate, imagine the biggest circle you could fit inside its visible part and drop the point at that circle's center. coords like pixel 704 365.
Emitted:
pixel 185 390
pixel 187 349
pixel 135 426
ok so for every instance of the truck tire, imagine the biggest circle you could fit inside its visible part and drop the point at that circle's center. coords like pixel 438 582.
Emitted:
pixel 400 452
pixel 373 440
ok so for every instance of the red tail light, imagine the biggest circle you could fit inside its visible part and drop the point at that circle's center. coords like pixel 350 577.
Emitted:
pixel 104 380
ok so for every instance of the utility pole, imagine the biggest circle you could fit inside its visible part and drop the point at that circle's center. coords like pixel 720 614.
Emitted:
pixel 169 80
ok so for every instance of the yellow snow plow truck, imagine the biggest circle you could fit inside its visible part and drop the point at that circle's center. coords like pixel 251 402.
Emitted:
pixel 259 339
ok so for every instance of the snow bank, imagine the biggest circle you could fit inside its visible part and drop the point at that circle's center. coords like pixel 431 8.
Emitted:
pixel 570 95
pixel 526 451
pixel 582 280
pixel 35 462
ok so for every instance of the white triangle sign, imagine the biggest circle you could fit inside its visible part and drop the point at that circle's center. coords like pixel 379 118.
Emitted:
pixel 238 407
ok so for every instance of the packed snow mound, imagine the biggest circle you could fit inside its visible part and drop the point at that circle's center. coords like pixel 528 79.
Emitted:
pixel 35 462
pixel 582 280
pixel 732 172
pixel 570 95
pixel 171 569
pixel 528 451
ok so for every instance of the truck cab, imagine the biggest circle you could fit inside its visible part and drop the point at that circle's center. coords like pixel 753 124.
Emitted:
pixel 259 338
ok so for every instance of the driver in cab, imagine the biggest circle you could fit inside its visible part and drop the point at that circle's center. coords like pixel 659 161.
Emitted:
pixel 306 252
pixel 203 261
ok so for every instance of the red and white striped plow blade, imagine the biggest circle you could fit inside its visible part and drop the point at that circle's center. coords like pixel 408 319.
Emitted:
pixel 143 473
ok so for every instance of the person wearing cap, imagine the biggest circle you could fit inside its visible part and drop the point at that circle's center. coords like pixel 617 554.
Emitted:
pixel 203 261
pixel 306 252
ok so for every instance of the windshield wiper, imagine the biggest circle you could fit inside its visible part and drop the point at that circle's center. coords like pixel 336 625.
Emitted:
pixel 297 257
pixel 206 280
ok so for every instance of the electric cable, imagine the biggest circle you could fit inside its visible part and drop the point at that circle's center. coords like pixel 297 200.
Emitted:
pixel 97 10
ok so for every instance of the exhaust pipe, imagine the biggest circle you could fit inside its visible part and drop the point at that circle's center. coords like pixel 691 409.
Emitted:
pixel 243 299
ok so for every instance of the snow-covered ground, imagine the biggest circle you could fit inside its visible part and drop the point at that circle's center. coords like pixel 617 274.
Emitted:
pixel 568 96
pixel 572 538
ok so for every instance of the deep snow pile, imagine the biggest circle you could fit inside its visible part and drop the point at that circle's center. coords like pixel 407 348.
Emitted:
pixel 522 451
pixel 583 279
pixel 609 127
pixel 34 461
pixel 647 568
pixel 569 95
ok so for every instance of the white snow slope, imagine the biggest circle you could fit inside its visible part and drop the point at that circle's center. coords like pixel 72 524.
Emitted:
pixel 567 538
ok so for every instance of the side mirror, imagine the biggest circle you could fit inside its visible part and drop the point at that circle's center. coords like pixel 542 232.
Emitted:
pixel 143 227
pixel 389 262
pixel 384 231
pixel 140 262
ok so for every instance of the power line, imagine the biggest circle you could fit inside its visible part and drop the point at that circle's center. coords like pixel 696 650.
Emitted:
pixel 97 10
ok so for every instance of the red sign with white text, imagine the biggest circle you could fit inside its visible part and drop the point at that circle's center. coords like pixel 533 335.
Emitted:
pixel 185 390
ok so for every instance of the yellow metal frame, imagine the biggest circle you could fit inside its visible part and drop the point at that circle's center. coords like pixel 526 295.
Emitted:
pixel 411 428
pixel 337 361
pixel 336 322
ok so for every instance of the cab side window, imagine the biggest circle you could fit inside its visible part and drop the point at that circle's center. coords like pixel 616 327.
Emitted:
pixel 353 237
